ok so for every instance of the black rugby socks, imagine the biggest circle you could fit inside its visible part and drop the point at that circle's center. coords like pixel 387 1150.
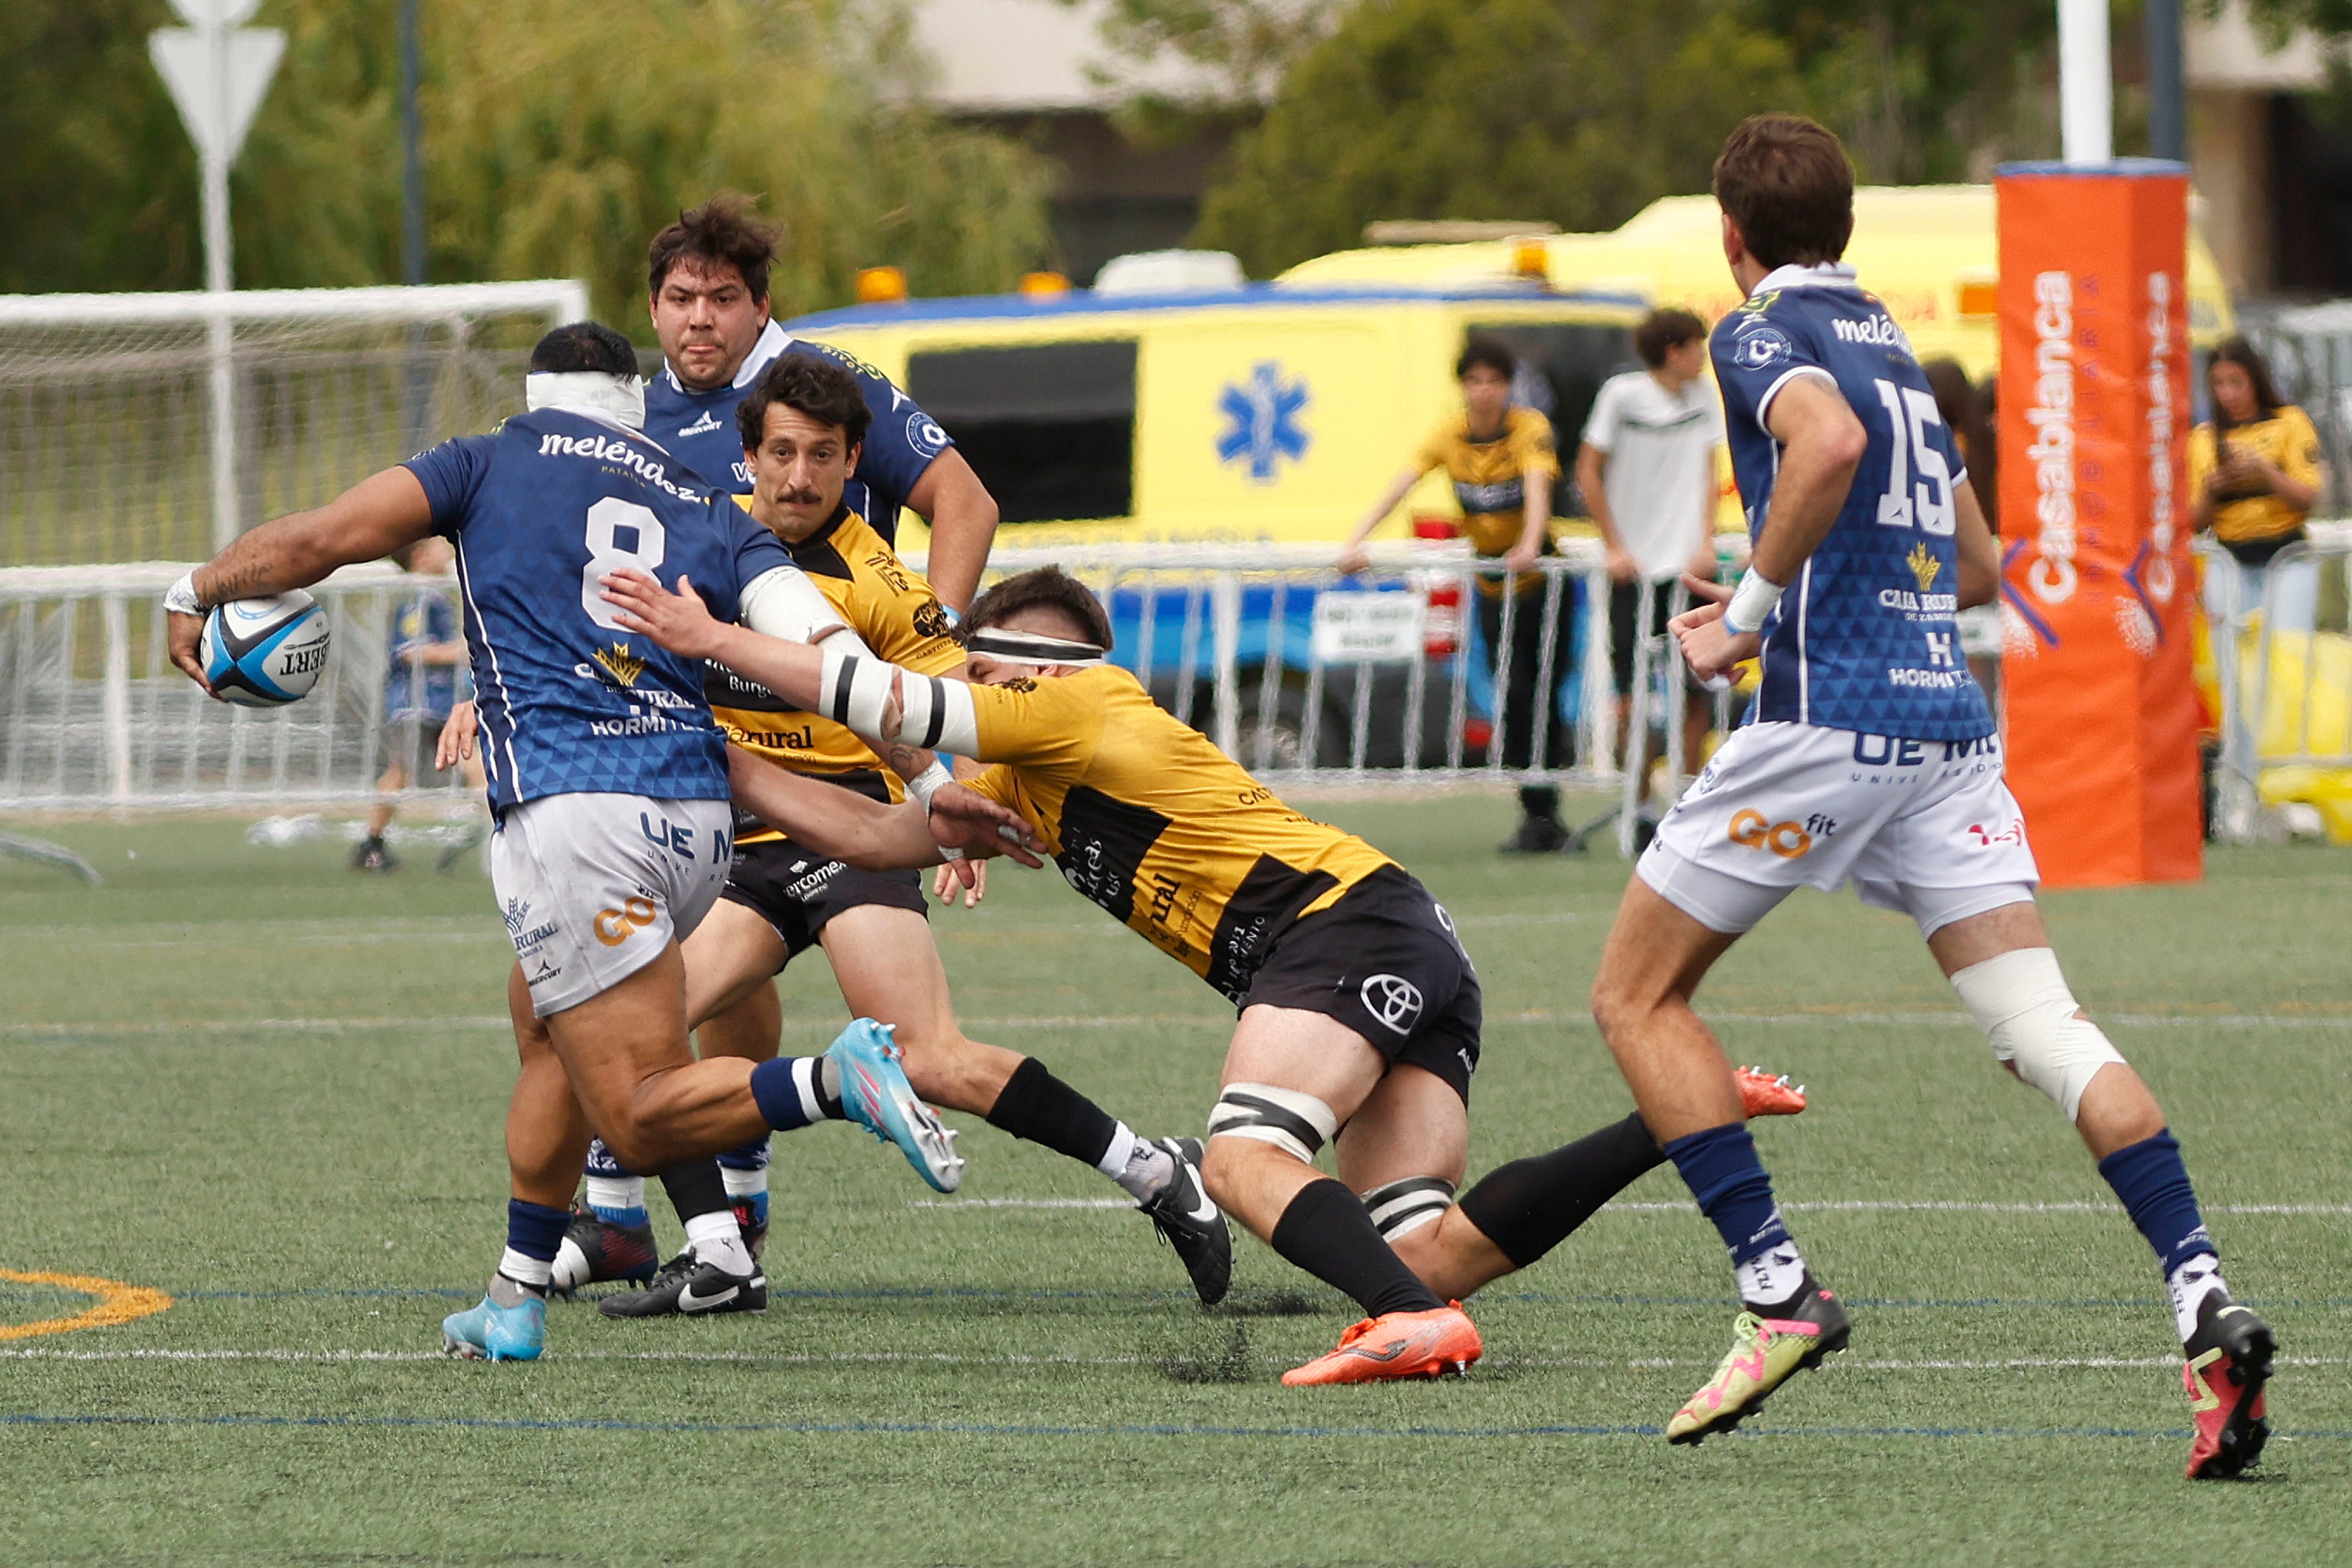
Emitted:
pixel 1326 1232
pixel 1530 1206
pixel 1035 1105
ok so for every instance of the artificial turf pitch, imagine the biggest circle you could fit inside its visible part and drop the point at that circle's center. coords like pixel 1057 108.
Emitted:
pixel 273 1090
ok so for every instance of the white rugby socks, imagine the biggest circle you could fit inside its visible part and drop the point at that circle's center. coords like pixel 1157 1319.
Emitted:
pixel 715 1239
pixel 1141 1169
pixel 2191 1284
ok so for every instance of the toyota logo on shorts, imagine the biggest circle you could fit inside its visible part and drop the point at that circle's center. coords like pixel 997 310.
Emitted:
pixel 1392 1000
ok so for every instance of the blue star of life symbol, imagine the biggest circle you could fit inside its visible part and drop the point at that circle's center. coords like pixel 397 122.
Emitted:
pixel 1264 415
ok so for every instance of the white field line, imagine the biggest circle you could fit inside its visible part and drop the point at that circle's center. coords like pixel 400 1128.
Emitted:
pixel 1825 1205
pixel 949 1357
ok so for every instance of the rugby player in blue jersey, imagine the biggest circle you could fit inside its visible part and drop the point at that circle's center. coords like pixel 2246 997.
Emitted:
pixel 609 781
pixel 707 294
pixel 1870 757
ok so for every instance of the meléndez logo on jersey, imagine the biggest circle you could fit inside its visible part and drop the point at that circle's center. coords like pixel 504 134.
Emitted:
pixel 1393 1001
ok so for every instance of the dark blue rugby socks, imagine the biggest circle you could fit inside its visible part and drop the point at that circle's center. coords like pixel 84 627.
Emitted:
pixel 533 1233
pixel 1724 1173
pixel 796 1091
pixel 2153 1184
pixel 617 1196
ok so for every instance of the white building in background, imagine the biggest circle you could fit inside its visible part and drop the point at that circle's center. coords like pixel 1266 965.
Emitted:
pixel 2276 179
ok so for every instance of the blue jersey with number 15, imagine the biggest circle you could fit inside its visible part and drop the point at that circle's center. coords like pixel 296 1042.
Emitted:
pixel 571 703
pixel 1864 639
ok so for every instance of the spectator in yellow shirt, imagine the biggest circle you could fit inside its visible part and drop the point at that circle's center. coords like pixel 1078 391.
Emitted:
pixel 2253 476
pixel 1502 461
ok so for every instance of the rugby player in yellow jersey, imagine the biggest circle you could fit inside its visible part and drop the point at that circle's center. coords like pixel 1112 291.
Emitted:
pixel 1359 1007
pixel 802 424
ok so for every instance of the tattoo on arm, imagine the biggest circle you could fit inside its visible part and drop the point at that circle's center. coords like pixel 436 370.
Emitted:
pixel 906 760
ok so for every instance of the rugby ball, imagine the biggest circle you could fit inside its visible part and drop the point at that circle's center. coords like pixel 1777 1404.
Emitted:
pixel 265 653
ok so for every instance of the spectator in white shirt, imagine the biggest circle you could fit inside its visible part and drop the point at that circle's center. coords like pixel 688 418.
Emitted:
pixel 1647 470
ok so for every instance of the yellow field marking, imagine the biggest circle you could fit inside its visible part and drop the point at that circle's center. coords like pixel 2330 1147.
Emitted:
pixel 117 1303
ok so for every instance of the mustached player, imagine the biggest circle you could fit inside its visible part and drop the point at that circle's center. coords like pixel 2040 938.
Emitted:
pixel 803 425
pixel 1359 1007
pixel 608 780
pixel 1870 757
pixel 707 296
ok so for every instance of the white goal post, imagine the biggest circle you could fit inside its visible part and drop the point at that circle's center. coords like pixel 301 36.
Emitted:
pixel 157 427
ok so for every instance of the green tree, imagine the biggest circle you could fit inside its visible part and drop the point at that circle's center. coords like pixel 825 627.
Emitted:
pixel 1580 111
pixel 1926 92
pixel 557 138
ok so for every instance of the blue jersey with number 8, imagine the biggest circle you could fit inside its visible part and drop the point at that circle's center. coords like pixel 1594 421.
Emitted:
pixel 569 703
pixel 1864 639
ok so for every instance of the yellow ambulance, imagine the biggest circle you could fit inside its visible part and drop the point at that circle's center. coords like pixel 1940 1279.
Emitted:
pixel 1244 413
pixel 1929 252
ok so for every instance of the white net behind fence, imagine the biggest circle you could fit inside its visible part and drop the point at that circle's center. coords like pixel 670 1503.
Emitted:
pixel 108 448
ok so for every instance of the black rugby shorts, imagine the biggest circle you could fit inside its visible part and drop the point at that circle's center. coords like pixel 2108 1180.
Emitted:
pixel 1384 961
pixel 796 892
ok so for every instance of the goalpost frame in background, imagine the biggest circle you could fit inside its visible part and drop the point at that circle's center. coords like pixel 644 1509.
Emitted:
pixel 450 306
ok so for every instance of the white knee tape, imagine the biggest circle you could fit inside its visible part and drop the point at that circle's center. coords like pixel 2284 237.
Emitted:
pixel 1296 1123
pixel 1400 1208
pixel 2020 1002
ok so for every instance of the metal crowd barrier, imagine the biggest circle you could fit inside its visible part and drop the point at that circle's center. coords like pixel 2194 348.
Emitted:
pixel 2283 665
pixel 93 714
pixel 1301 676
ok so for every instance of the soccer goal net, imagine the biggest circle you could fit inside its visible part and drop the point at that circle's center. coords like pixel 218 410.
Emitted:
pixel 157 427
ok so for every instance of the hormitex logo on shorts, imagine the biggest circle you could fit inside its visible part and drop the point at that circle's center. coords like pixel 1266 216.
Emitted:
pixel 1392 1000
pixel 1786 840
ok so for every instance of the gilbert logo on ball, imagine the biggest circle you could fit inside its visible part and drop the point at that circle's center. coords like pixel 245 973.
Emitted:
pixel 264 653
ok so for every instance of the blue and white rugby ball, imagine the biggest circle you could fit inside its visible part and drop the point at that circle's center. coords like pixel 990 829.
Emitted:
pixel 265 653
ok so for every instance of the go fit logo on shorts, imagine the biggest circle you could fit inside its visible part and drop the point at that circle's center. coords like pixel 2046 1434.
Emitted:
pixel 1786 840
pixel 614 926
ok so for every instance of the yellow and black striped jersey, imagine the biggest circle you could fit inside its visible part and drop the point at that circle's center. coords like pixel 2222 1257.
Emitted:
pixel 887 603
pixel 1156 824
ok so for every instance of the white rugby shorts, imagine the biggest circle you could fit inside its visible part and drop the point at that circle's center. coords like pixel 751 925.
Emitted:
pixel 592 887
pixel 1926 828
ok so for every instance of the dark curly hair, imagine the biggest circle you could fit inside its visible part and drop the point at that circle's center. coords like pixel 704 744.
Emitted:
pixel 722 232
pixel 816 387
pixel 1048 587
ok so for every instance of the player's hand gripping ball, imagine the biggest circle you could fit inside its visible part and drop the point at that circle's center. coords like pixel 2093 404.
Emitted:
pixel 265 653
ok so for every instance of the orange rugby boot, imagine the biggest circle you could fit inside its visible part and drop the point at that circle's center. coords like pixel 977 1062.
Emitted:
pixel 1438 1342
pixel 1764 1094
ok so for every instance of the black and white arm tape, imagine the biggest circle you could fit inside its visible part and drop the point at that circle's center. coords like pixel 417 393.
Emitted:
pixel 935 714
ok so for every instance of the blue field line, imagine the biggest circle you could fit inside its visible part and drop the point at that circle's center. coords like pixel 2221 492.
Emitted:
pixel 1024 1429
pixel 986 1293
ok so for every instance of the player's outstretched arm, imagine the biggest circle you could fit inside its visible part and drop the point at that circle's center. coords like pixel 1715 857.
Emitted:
pixel 882 703
pixel 846 825
pixel 383 513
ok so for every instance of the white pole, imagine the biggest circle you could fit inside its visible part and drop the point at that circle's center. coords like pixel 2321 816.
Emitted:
pixel 2087 119
pixel 114 697
pixel 217 276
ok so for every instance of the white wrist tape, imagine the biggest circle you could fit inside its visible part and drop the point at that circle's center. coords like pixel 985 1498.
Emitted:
pixel 1752 602
pixel 929 781
pixel 180 599
pixel 2021 1001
